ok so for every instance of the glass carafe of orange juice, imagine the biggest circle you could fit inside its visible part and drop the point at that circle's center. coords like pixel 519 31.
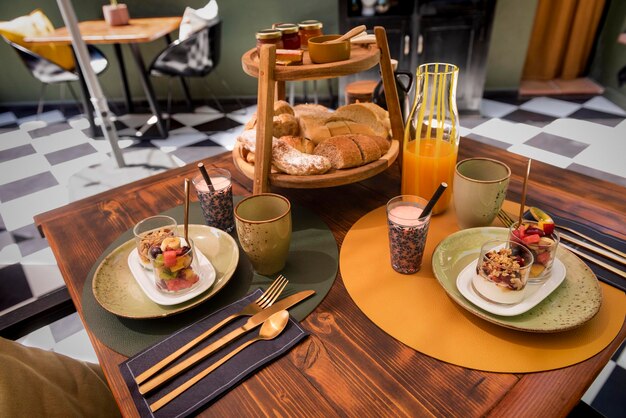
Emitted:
pixel 431 136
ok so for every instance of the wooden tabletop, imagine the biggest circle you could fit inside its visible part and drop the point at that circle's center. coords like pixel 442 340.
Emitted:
pixel 99 32
pixel 348 366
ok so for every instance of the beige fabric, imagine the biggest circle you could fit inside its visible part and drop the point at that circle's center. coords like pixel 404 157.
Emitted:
pixel 39 383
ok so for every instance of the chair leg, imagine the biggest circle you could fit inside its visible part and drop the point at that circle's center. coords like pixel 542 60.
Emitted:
pixel 169 104
pixel 230 92
pixel 62 95
pixel 217 102
pixel 75 97
pixel 41 98
pixel 185 87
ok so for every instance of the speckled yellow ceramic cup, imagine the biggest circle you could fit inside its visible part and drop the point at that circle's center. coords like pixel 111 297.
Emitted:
pixel 264 228
pixel 480 186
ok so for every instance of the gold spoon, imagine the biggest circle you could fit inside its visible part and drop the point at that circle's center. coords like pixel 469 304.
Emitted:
pixel 348 35
pixel 271 328
pixel 186 219
pixel 523 199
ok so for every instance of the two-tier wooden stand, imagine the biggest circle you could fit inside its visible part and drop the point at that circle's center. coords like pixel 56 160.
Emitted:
pixel 272 84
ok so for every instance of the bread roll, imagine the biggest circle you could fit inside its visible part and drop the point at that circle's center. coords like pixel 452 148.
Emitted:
pixel 281 106
pixel 341 151
pixel 285 124
pixel 301 144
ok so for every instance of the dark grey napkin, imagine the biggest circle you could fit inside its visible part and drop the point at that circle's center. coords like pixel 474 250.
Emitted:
pixel 601 273
pixel 220 380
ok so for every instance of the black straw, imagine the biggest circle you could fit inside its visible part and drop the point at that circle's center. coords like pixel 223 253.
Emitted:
pixel 433 200
pixel 207 179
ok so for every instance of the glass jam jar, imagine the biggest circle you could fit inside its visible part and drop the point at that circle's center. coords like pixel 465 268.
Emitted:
pixel 309 29
pixel 290 35
pixel 268 36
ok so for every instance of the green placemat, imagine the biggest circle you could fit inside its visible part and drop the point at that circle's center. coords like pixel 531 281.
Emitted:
pixel 312 264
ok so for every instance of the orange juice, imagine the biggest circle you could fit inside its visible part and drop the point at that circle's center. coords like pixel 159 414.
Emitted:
pixel 423 171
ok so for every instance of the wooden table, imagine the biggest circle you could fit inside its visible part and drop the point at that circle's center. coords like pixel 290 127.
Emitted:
pixel 137 31
pixel 348 366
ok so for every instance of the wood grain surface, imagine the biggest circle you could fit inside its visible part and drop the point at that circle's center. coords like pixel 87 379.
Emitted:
pixel 348 366
pixel 99 32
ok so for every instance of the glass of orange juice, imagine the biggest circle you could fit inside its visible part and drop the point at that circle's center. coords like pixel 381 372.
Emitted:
pixel 431 136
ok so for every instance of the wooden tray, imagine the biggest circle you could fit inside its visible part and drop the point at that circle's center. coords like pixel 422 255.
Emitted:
pixel 362 58
pixel 329 179
pixel 271 85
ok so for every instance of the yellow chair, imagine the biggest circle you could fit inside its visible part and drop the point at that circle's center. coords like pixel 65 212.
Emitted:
pixel 37 24
pixel 48 63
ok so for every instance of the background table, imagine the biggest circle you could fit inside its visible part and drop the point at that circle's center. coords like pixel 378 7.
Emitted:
pixel 348 365
pixel 137 31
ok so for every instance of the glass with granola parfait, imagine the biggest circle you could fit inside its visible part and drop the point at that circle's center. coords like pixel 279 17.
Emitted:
pixel 502 271
pixel 150 232
pixel 542 241
pixel 173 265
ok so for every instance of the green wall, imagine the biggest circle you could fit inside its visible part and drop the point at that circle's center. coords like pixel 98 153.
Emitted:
pixel 513 23
pixel 241 20
pixel 610 56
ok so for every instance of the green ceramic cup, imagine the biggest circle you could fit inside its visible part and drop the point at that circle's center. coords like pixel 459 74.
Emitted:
pixel 264 228
pixel 480 186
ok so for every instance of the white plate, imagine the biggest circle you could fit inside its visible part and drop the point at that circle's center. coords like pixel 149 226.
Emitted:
pixel 145 280
pixel 535 293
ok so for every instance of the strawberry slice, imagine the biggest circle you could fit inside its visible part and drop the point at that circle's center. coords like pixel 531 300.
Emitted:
pixel 547 226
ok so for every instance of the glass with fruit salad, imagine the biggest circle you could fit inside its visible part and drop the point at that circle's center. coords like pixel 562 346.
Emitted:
pixel 173 265
pixel 542 241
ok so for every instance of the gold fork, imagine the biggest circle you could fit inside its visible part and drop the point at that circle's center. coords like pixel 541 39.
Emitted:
pixel 264 301
pixel 508 221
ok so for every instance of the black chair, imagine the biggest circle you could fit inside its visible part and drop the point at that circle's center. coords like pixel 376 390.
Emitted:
pixel 196 56
pixel 50 73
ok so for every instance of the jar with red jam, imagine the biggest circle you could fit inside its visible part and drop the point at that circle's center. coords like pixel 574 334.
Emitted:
pixel 309 29
pixel 268 36
pixel 290 35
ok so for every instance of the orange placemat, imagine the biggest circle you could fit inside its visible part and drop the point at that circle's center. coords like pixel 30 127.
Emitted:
pixel 417 311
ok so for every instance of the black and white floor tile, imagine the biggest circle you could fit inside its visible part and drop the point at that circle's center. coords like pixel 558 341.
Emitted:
pixel 49 160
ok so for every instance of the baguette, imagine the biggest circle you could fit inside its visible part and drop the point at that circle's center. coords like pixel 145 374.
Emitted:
pixel 361 114
pixel 341 151
pixel 381 114
pixel 319 131
pixel 286 158
pixel 370 151
pixel 310 109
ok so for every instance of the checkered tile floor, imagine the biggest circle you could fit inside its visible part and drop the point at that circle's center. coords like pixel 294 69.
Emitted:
pixel 51 160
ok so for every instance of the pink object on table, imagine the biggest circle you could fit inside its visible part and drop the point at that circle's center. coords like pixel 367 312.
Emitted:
pixel 115 15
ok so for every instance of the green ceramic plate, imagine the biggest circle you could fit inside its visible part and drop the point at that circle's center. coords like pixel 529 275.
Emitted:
pixel 117 291
pixel 572 304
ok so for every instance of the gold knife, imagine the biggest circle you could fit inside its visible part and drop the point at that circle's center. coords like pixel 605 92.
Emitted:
pixel 251 324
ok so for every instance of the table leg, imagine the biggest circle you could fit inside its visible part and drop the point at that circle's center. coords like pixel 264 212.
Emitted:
pixel 120 62
pixel 147 86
